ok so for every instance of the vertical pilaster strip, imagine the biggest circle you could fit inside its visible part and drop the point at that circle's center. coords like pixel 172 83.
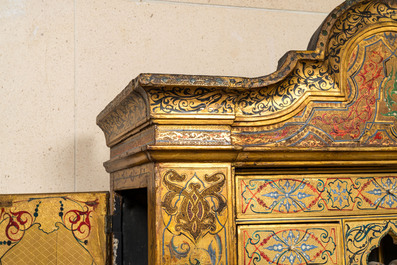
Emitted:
pixel 154 217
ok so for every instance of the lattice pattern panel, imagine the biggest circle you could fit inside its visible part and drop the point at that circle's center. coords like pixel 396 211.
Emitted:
pixel 53 229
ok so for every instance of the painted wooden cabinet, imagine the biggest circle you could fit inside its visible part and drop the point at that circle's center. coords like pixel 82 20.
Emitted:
pixel 297 167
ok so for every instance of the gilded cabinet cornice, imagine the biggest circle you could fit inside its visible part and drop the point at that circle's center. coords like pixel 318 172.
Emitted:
pixel 277 168
pixel 337 95
pixel 125 113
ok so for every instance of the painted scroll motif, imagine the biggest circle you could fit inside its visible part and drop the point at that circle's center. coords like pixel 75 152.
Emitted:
pixel 193 135
pixel 315 195
pixel 130 112
pixel 195 216
pixel 53 229
pixel 368 119
pixel 191 100
pixel 363 236
pixel 289 244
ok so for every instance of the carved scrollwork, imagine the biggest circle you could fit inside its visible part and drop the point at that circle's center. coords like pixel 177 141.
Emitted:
pixel 306 77
pixel 191 100
pixel 130 112
pixel 354 20
pixel 267 100
pixel 361 238
pixel 195 205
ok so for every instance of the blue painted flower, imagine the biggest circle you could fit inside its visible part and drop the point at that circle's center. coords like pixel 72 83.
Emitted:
pixel 339 194
pixel 288 196
pixel 385 190
pixel 292 247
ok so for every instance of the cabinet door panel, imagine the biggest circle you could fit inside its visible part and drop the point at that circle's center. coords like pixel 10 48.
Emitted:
pixel 315 195
pixel 363 235
pixel 53 229
pixel 292 244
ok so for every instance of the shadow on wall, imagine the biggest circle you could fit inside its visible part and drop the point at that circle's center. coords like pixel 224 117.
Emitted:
pixel 90 153
pixel 69 165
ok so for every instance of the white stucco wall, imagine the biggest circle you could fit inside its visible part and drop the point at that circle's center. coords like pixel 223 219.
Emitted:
pixel 62 61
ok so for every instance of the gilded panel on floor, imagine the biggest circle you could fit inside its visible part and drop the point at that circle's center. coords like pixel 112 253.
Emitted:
pixel 315 195
pixel 296 244
pixel 53 229
pixel 196 213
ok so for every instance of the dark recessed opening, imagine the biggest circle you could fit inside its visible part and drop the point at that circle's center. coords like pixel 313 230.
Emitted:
pixel 374 255
pixel 386 253
pixel 134 229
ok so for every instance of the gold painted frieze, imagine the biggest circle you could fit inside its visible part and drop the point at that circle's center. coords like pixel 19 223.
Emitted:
pixel 193 135
pixel 286 196
pixel 340 93
pixel 292 244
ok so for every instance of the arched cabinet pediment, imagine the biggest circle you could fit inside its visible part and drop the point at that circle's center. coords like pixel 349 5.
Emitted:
pixel 296 167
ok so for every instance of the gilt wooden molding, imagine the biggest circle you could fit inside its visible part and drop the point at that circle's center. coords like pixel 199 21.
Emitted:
pixel 291 161
pixel 313 101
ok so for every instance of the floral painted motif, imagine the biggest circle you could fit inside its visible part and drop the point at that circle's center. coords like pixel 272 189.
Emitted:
pixel 292 248
pixel 280 245
pixel 288 195
pixel 273 99
pixel 316 195
pixel 191 100
pixel 390 85
pixel 17 223
pixel 210 254
pixel 278 196
pixel 370 108
pixel 386 192
pixel 361 237
pixel 339 194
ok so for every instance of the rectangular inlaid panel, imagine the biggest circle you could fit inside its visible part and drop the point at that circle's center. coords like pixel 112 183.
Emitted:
pixel 196 214
pixel 53 229
pixel 315 195
pixel 193 135
pixel 292 244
